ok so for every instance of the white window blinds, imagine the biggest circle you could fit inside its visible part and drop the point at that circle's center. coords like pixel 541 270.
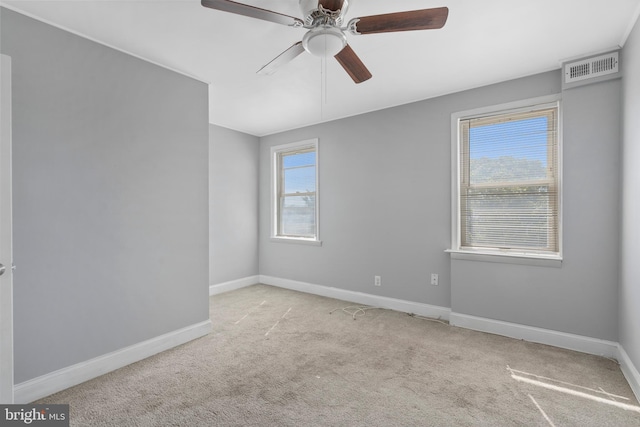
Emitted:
pixel 509 192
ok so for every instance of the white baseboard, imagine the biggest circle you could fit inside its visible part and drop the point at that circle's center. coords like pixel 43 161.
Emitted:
pixel 538 335
pixel 233 285
pixel 360 298
pixel 630 371
pixel 61 379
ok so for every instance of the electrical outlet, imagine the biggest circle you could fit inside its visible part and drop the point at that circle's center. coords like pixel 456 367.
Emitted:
pixel 434 279
pixel 377 281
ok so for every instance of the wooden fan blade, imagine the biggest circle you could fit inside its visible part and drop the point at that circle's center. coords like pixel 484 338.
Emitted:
pixel 353 65
pixel 282 59
pixel 425 19
pixel 252 12
pixel 331 4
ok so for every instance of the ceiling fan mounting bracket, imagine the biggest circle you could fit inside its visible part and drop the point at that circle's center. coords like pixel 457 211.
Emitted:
pixel 352 26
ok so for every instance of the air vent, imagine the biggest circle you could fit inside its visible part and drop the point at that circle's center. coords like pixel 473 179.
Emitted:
pixel 591 68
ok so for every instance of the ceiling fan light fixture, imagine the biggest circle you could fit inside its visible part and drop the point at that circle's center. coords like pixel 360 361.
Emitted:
pixel 324 41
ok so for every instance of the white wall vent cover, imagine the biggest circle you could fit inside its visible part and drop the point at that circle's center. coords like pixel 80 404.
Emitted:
pixel 590 68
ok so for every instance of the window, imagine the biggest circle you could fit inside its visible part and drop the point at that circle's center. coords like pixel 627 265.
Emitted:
pixel 295 192
pixel 507 182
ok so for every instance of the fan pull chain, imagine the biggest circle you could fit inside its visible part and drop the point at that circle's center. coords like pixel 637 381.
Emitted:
pixel 323 86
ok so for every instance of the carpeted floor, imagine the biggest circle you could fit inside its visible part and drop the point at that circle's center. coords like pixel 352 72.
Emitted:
pixel 282 358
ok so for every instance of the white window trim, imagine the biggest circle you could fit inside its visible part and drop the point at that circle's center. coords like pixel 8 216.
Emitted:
pixel 488 255
pixel 274 194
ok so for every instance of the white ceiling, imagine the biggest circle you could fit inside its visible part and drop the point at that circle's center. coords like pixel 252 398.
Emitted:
pixel 483 42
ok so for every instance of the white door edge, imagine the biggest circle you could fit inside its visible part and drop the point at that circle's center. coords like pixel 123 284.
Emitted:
pixel 6 251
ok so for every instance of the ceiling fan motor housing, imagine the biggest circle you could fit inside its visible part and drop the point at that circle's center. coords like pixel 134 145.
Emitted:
pixel 312 11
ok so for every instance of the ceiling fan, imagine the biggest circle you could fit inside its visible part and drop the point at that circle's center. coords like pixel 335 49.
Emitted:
pixel 326 36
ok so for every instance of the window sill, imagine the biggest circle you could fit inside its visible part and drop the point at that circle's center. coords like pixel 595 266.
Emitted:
pixel 296 241
pixel 539 260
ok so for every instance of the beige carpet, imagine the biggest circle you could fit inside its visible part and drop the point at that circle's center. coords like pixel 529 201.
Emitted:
pixel 279 358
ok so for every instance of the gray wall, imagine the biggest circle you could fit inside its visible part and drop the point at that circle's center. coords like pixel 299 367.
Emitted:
pixel 630 271
pixel 110 198
pixel 380 213
pixel 233 204
pixel 385 209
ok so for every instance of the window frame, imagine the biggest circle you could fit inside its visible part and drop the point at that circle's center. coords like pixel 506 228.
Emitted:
pixel 519 256
pixel 277 184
